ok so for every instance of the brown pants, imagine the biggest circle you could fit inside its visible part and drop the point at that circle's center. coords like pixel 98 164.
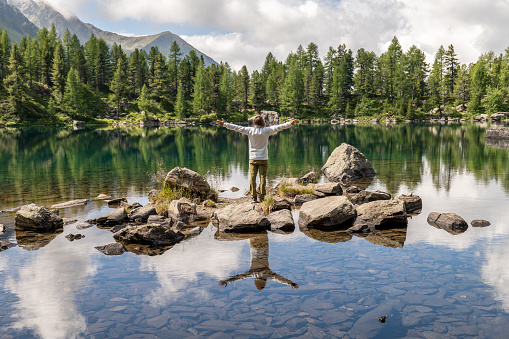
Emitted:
pixel 254 166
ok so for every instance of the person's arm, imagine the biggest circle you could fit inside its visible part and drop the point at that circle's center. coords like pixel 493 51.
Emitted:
pixel 233 127
pixel 277 128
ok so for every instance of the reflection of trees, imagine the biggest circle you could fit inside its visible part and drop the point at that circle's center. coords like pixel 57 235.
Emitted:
pixel 83 163
pixel 259 269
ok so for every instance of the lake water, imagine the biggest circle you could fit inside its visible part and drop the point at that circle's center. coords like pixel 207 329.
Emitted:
pixel 427 282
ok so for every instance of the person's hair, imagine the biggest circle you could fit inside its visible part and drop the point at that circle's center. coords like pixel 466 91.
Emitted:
pixel 258 121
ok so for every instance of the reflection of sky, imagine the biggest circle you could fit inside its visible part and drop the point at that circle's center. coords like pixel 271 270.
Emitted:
pixel 495 272
pixel 182 265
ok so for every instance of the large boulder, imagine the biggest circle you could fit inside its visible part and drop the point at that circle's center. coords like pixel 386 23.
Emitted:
pixel 281 220
pixel 142 213
pixel 159 235
pixel 37 218
pixel 380 215
pixel 364 197
pixel 188 180
pixel 326 212
pixel 412 202
pixel 113 218
pixel 182 210
pixel 346 164
pixel 245 217
pixel 499 116
pixel 450 222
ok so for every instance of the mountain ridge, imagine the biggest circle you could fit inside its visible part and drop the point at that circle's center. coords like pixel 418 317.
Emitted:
pixel 16 24
pixel 42 14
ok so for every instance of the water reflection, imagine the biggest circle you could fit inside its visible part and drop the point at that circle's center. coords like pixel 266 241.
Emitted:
pixel 393 238
pixel 495 273
pixel 31 240
pixel 259 269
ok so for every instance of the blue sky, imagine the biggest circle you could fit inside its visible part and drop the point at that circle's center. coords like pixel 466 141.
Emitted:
pixel 242 32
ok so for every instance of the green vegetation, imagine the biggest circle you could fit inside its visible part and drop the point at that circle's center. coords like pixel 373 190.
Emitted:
pixel 47 80
pixel 290 190
pixel 268 204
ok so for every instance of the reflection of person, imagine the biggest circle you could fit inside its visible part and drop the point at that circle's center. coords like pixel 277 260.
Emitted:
pixel 259 269
pixel 258 136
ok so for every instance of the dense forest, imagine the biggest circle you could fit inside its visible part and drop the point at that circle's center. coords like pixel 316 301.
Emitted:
pixel 49 79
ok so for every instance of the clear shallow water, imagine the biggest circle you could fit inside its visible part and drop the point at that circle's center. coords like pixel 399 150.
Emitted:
pixel 429 283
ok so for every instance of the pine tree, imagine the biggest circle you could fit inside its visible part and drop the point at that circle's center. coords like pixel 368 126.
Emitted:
pixel 436 82
pixel 15 83
pixel 293 88
pixel 174 60
pixel 225 94
pixel 180 106
pixel 5 52
pixel 118 85
pixel 201 93
pixel 144 102
pixel 73 93
pixel 57 74
pixel 479 84
pixel 256 90
pixel 242 88
pixel 451 71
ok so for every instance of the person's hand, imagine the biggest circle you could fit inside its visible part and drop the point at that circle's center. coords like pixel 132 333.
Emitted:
pixel 294 121
pixel 294 286
pixel 222 282
pixel 220 122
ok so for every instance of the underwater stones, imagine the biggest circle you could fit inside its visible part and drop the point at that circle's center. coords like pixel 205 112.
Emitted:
pixel 37 218
pixel 244 217
pixel 346 163
pixel 450 222
pixel 326 212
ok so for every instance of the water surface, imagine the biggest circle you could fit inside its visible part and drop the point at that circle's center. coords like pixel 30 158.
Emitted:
pixel 428 283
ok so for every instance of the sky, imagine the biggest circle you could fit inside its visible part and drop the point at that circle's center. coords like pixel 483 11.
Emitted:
pixel 243 32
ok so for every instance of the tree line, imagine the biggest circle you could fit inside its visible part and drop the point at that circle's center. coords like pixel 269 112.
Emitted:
pixel 51 78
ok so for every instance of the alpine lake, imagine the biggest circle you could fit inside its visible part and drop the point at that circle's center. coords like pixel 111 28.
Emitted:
pixel 414 282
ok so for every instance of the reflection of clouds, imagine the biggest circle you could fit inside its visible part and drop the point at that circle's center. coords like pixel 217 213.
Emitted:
pixel 45 285
pixel 186 261
pixel 495 273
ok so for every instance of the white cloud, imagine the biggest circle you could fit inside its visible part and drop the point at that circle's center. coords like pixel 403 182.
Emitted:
pixel 250 29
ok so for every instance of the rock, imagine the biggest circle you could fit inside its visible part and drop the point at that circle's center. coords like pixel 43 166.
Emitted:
pixel 196 230
pixel 158 219
pixel 450 222
pixel 367 196
pixel 412 202
pixel 112 218
pixel 182 210
pixel 393 238
pixel 116 202
pixel 308 178
pixel 148 234
pixel 346 163
pixel 134 206
pixel 68 221
pixel 2 228
pixel 71 203
pixel 142 213
pixel 33 240
pixel 5 245
pixel 234 189
pixel 497 133
pixel 102 197
pixel 84 225
pixel 303 198
pixel 328 236
pixel 178 226
pixel 271 118
pixel 329 188
pixel 326 212
pixel 111 249
pixel 38 218
pixel 117 228
pixel 480 223
pixel 72 237
pixel 243 217
pixel 499 116
pixel 352 189
pixel 380 215
pixel 152 194
pixel 281 205
pixel 184 178
pixel 281 220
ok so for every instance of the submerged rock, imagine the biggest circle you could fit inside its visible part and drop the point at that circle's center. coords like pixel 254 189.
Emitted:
pixel 111 249
pixel 245 217
pixel 33 240
pixel 71 203
pixel 84 225
pixel 379 215
pixel 37 218
pixel 188 180
pixel 159 219
pixel 72 237
pixel 281 220
pixel 327 212
pixel 450 222
pixel 149 235
pixel 346 163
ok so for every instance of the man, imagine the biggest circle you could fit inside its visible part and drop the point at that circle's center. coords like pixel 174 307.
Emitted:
pixel 258 136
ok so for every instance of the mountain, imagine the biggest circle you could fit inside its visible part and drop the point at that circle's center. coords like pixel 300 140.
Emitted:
pixel 43 15
pixel 16 24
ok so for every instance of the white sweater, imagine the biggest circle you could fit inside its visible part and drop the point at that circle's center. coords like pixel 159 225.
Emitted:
pixel 258 138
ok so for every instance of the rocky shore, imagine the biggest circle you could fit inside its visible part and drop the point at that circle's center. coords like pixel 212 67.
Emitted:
pixel 332 211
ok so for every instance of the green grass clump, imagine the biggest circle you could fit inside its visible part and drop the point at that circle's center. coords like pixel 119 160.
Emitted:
pixel 289 190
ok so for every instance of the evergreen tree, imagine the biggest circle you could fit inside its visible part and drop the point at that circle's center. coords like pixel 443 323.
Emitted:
pixel 365 76
pixel 144 102
pixel 201 93
pixel 256 90
pixel 174 60
pixel 73 93
pixel 58 77
pixel 118 84
pixel 292 94
pixel 479 83
pixel 225 94
pixel 15 83
pixel 342 82
pixel 180 106
pixel 451 71
pixel 242 87
pixel 462 86
pixel 436 83
pixel 5 53
pixel 159 81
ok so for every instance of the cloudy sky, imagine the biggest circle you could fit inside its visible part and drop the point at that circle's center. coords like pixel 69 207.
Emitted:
pixel 244 31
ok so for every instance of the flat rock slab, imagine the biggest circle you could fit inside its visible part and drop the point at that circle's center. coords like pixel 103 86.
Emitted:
pixel 281 220
pixel 346 164
pixel 379 215
pixel 72 203
pixel 112 218
pixel 450 222
pixel 142 213
pixel 111 249
pixel 329 188
pixel 364 197
pixel 326 212
pixel 149 234
pixel 245 217
pixel 37 218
